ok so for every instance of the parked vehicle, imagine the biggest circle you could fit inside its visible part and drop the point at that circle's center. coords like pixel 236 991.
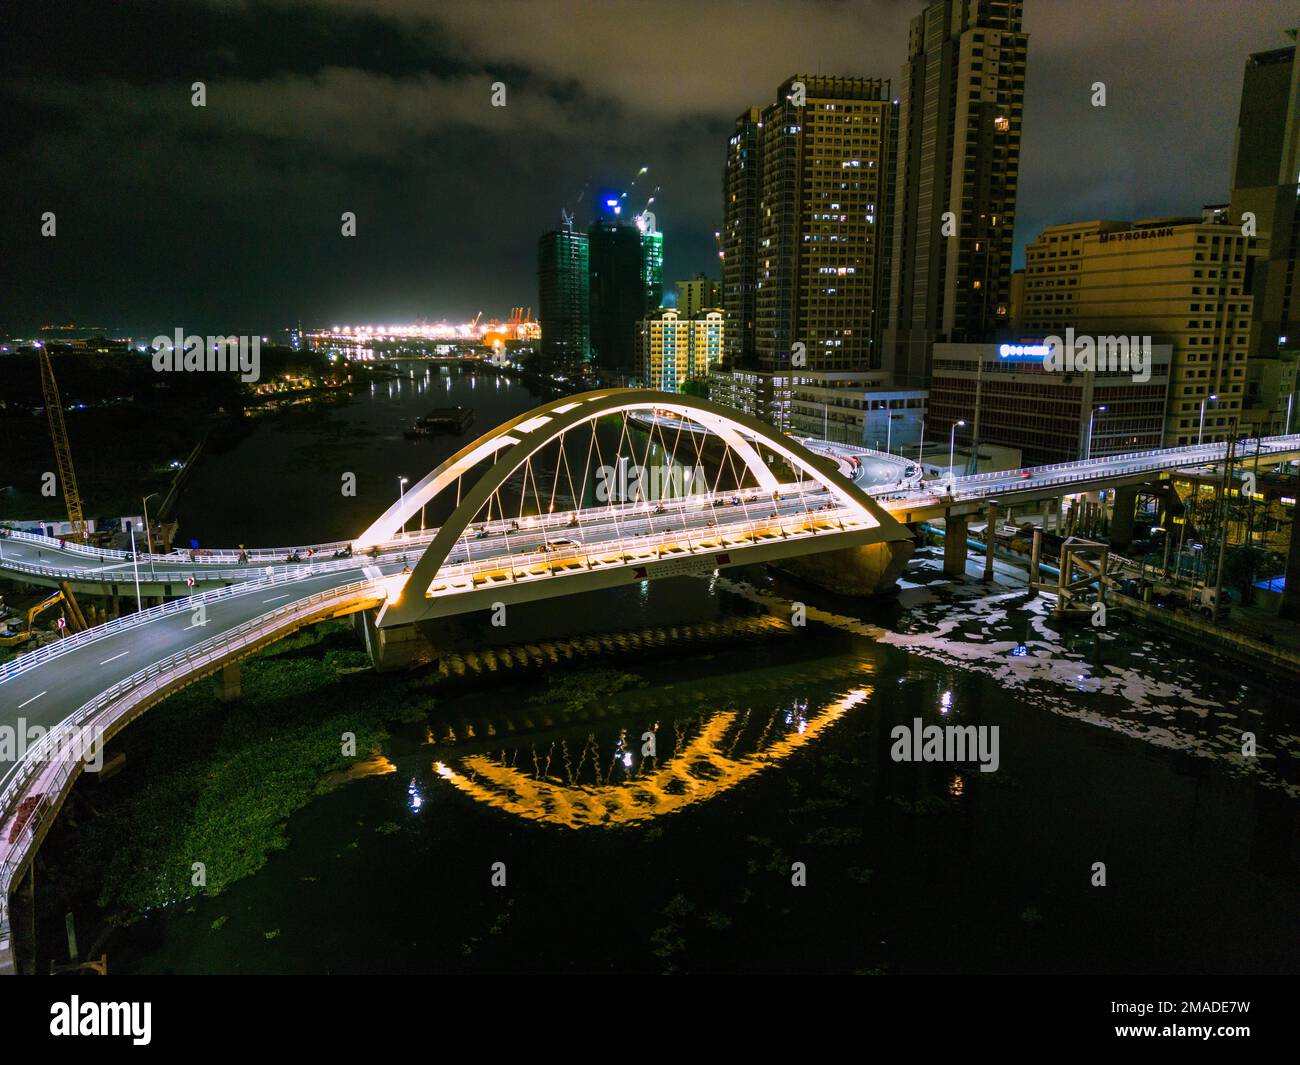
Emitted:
pixel 1202 601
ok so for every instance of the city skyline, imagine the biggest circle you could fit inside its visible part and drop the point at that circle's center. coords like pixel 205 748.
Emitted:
pixel 375 91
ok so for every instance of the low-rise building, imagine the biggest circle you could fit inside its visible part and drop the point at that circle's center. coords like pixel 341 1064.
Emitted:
pixel 1012 394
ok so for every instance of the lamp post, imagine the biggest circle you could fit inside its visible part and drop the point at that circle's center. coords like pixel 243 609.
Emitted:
pixel 1200 433
pixel 889 432
pixel 401 495
pixel 920 450
pixel 952 451
pixel 1091 417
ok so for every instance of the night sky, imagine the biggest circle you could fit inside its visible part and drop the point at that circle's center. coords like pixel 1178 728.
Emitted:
pixel 227 217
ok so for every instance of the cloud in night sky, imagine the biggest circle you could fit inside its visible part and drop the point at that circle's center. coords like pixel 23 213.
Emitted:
pixel 228 216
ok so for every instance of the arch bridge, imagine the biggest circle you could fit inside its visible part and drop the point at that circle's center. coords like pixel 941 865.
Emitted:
pixel 541 507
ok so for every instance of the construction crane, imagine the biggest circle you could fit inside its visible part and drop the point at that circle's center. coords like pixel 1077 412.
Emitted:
pixel 62 450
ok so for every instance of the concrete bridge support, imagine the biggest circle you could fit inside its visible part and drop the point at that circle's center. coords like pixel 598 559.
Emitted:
pixel 954 546
pixel 870 569
pixel 398 647
pixel 1121 526
pixel 990 539
pixel 228 682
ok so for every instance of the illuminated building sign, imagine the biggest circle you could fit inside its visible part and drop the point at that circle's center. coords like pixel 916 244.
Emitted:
pixel 1023 352
pixel 1136 234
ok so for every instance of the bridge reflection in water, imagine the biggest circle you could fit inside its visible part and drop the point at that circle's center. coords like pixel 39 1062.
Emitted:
pixel 697 760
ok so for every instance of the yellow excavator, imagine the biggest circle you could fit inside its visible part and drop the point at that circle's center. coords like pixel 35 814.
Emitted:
pixel 73 617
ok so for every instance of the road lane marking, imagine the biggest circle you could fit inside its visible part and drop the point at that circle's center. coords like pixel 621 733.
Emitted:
pixel 275 597
pixel 31 700
pixel 114 658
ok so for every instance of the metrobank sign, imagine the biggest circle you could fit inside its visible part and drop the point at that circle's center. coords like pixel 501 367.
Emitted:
pixel 1135 234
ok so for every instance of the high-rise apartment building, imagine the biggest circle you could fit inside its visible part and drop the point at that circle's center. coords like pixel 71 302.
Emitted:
pixel 673 348
pixel 960 103
pixel 1181 281
pixel 698 294
pixel 1266 186
pixel 739 236
pixel 563 298
pixel 824 191
pixel 806 192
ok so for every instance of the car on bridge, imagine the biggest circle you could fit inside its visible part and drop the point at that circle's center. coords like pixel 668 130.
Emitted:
pixel 562 544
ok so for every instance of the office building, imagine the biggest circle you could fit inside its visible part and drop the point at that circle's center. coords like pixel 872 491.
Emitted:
pixel 652 263
pixel 858 408
pixel 1009 394
pixel 960 101
pixel 1181 281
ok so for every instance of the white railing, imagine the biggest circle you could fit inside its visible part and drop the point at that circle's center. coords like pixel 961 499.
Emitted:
pixel 634 549
pixel 138 686
pixel 31 659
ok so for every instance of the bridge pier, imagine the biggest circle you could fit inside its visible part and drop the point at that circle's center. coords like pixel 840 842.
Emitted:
pixel 990 539
pixel 397 647
pixel 229 682
pixel 954 546
pixel 868 569
pixel 1121 526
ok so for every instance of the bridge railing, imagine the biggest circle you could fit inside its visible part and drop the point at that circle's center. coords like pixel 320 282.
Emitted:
pixel 204 556
pixel 693 538
pixel 1095 469
pixel 40 655
pixel 1216 450
pixel 139 685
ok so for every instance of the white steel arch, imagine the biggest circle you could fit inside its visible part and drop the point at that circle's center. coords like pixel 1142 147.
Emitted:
pixel 523 436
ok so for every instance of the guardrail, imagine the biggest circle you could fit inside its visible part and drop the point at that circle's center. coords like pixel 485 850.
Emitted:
pixel 30 659
pixel 143 683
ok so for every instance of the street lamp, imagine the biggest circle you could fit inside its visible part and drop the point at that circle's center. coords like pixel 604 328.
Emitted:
pixel 920 450
pixel 952 451
pixel 148 535
pixel 1093 415
pixel 1200 433
pixel 401 495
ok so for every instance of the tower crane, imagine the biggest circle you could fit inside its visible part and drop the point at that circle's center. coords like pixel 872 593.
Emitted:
pixel 62 450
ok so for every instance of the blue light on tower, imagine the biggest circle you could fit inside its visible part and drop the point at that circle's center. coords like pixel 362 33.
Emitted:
pixel 609 204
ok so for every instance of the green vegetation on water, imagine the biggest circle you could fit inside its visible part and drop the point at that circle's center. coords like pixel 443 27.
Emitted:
pixel 215 783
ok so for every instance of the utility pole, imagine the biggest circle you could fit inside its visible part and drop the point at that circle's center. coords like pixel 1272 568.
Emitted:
pixel 1223 529
pixel 972 465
